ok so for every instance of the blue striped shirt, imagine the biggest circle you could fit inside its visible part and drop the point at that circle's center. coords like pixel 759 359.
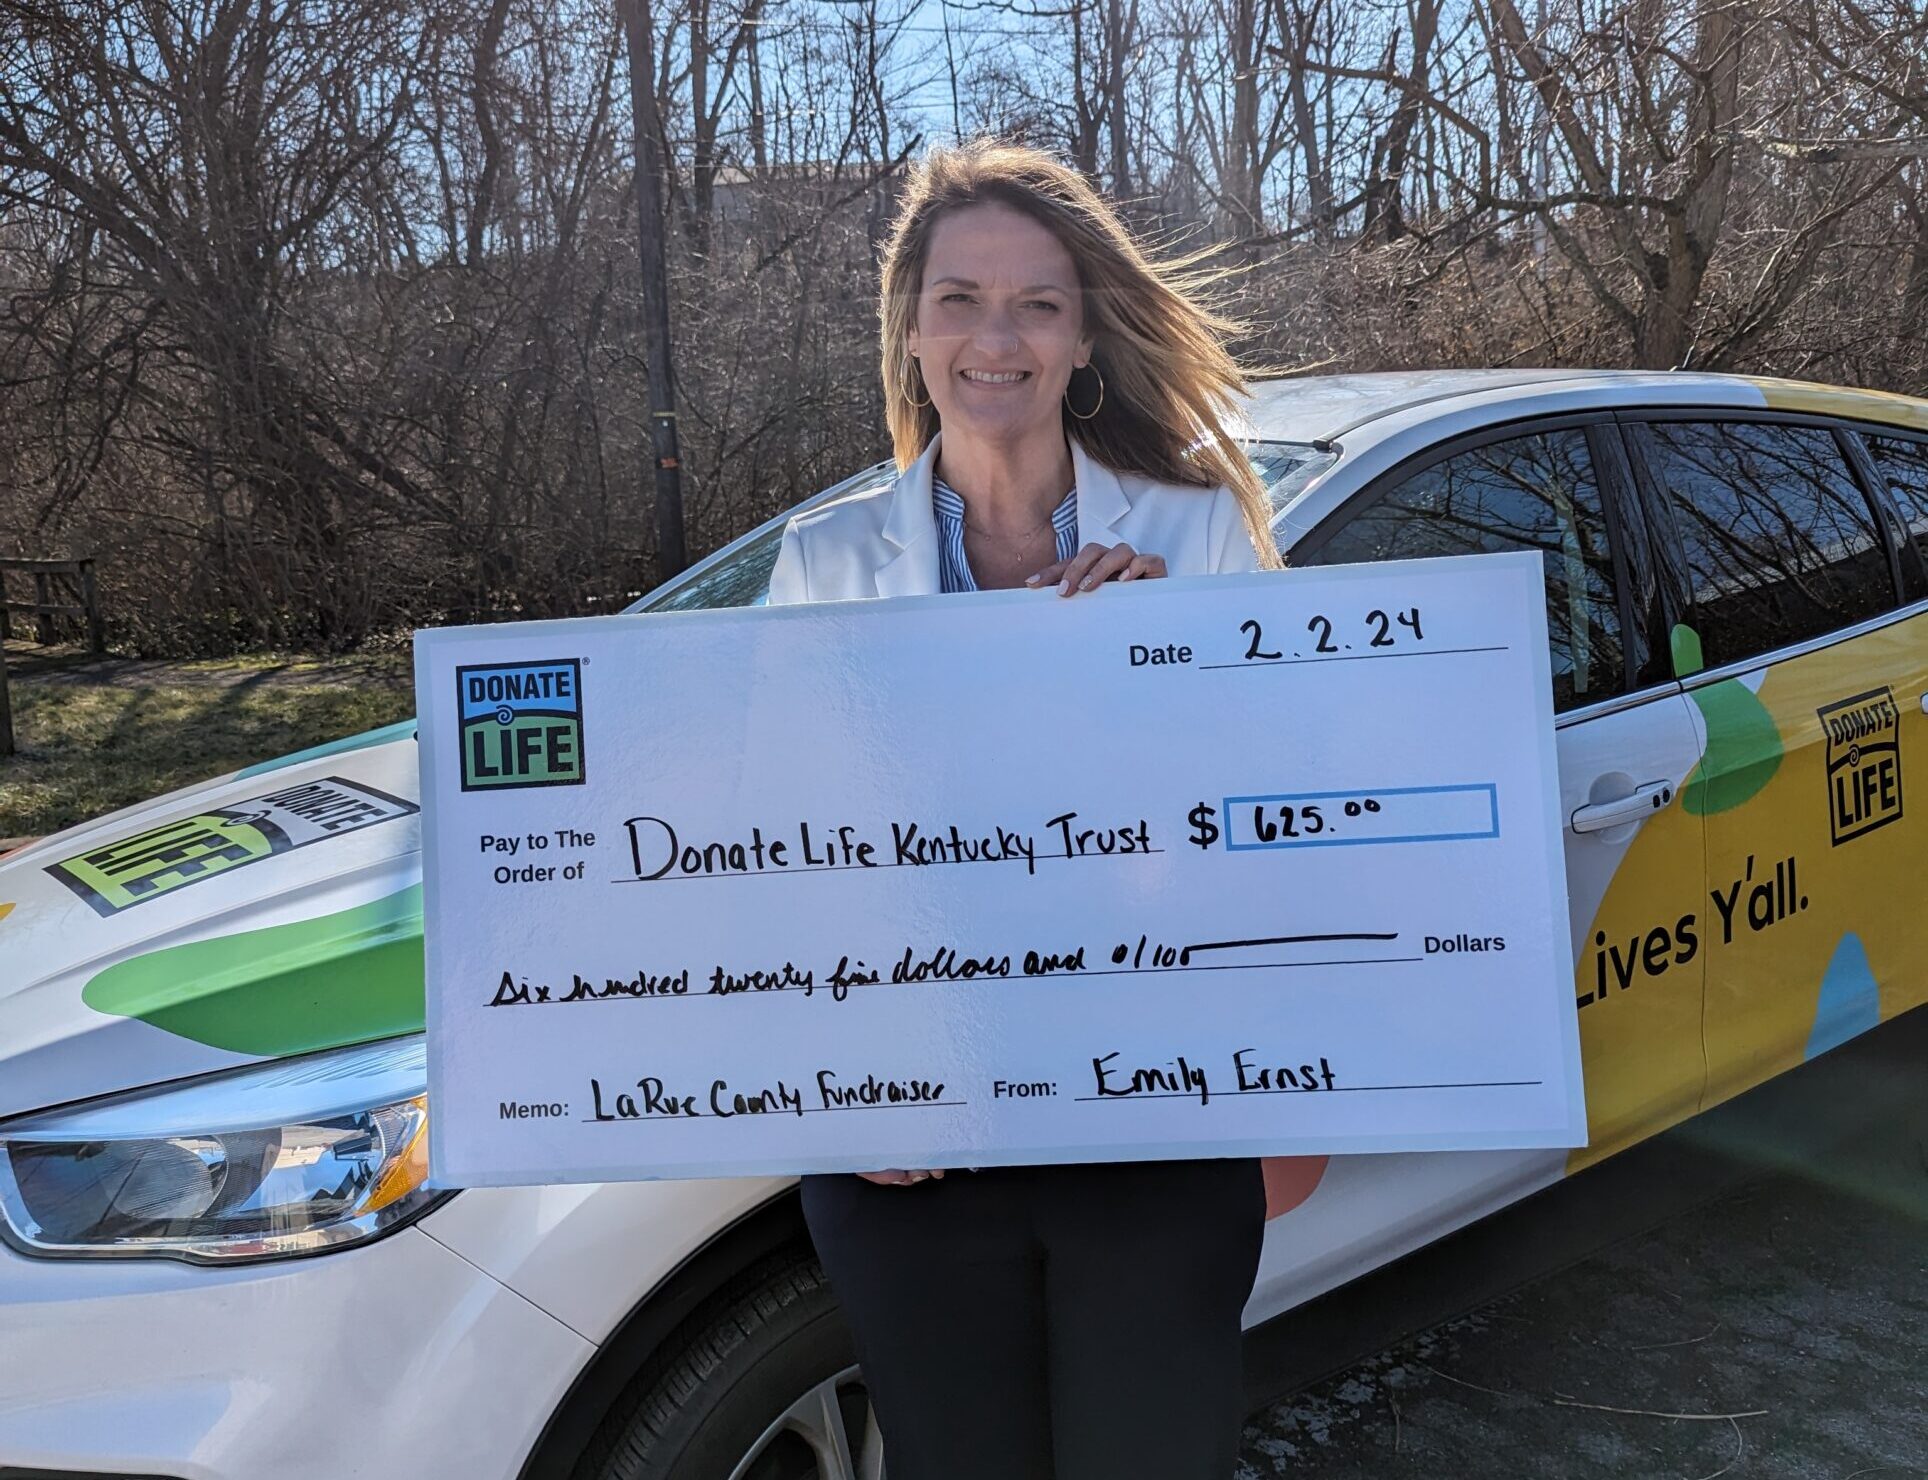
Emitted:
pixel 954 567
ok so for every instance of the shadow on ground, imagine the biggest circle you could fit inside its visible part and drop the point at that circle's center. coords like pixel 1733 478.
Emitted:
pixel 1779 1329
pixel 94 735
pixel 71 664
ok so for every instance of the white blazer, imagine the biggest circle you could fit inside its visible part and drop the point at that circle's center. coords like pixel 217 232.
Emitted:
pixel 884 542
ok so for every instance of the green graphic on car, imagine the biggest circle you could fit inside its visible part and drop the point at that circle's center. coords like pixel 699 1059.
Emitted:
pixel 1744 746
pixel 348 977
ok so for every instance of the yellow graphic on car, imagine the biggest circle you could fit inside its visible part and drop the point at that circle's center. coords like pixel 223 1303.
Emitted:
pixel 1756 924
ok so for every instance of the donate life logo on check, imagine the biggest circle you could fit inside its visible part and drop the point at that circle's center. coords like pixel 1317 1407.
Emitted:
pixel 521 724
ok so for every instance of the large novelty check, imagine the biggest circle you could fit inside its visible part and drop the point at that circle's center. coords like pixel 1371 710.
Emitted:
pixel 1217 866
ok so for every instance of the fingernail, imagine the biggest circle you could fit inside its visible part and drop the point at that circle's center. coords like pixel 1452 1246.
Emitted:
pixel 1064 586
pixel 1030 580
pixel 1085 584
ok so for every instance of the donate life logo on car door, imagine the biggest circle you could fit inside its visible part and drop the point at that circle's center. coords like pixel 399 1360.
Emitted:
pixel 1864 763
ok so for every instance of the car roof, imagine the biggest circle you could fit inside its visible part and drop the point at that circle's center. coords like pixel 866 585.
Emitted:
pixel 1400 411
pixel 1316 408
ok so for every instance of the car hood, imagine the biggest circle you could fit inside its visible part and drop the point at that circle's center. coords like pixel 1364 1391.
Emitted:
pixel 274 911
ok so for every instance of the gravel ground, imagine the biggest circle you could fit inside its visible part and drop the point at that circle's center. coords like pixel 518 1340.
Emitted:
pixel 1778 1330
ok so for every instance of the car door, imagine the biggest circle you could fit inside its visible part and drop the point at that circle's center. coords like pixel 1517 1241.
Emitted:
pixel 1895 462
pixel 1807 674
pixel 1626 737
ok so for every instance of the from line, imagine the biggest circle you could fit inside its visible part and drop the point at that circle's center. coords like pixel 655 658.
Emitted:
pixel 1337 1089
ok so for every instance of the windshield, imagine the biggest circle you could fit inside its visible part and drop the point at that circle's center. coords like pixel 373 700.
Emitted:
pixel 1288 469
pixel 739 575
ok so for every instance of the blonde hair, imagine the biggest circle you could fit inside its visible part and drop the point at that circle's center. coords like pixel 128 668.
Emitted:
pixel 1170 384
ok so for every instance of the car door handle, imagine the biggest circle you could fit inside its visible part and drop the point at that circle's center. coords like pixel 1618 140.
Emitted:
pixel 1642 801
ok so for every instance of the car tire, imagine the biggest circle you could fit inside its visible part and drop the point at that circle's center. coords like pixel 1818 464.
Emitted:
pixel 760 1384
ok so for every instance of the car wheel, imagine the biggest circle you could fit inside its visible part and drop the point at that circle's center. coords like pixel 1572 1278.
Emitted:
pixel 761 1384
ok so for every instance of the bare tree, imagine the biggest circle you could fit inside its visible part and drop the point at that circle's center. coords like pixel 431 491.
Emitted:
pixel 1661 210
pixel 639 29
pixel 322 318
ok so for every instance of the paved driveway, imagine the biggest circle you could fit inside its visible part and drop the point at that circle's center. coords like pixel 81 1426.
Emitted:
pixel 1776 1329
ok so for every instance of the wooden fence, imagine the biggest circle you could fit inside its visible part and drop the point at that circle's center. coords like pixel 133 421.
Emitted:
pixel 82 603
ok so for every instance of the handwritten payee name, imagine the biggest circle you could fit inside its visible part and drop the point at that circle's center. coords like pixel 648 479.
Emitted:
pixel 657 850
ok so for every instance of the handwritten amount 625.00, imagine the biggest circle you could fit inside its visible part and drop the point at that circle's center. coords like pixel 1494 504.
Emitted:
pixel 1381 626
pixel 1272 821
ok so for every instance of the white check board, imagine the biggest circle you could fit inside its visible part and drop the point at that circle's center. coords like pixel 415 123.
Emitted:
pixel 1201 867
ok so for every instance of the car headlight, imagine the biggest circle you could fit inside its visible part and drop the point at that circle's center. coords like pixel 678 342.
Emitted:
pixel 292 1157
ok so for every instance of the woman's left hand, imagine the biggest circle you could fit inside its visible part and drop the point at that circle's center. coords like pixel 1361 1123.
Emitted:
pixel 1092 566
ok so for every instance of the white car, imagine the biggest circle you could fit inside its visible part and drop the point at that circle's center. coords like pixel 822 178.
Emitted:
pixel 219 1258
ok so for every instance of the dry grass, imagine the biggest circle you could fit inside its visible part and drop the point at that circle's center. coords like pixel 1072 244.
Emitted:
pixel 96 737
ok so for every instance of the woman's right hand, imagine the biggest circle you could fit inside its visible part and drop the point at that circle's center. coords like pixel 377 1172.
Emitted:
pixel 895 1178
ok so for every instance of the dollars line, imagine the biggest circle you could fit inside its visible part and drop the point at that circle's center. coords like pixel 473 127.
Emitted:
pixel 916 965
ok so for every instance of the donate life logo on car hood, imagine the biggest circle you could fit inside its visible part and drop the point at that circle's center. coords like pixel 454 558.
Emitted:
pixel 274 911
pixel 191 850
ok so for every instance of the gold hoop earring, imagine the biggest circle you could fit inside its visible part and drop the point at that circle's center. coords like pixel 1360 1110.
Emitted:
pixel 917 405
pixel 1086 415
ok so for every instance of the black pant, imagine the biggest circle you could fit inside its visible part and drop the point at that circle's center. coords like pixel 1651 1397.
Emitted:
pixel 1049 1323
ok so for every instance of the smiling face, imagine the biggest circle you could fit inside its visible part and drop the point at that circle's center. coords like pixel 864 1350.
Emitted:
pixel 999 325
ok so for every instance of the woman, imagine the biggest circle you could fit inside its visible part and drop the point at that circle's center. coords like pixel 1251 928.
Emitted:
pixel 1076 1322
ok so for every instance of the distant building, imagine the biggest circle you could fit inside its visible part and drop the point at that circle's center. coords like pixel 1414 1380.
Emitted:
pixel 807 185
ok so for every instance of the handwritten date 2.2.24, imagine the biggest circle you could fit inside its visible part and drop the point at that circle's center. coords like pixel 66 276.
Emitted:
pixel 1381 630
pixel 1400 631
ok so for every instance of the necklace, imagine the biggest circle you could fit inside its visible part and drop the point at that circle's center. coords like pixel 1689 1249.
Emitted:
pixel 1019 540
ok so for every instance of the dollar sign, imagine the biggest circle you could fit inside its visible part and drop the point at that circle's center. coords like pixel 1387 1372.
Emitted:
pixel 1204 830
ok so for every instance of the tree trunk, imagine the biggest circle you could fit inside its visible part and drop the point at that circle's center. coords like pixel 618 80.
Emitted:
pixel 1666 329
pixel 703 160
pixel 1245 182
pixel 759 137
pixel 488 180
pixel 1086 98
pixel 640 32
pixel 1117 40
pixel 1385 191
pixel 6 709
pixel 1305 124
pixel 1914 301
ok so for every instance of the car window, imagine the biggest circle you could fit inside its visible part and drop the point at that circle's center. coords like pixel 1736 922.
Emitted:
pixel 1780 543
pixel 1537 492
pixel 1903 464
pixel 1287 468
pixel 741 577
